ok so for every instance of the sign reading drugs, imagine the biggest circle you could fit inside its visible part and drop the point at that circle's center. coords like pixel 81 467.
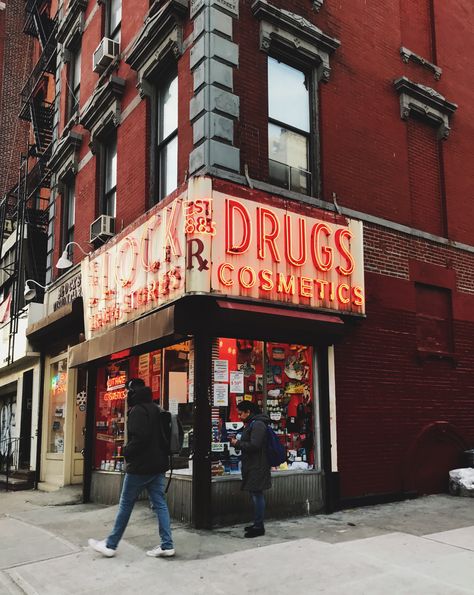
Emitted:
pixel 208 242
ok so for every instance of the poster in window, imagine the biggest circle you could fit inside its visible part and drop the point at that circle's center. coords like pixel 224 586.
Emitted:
pixel 236 381
pixel 221 370
pixel 221 394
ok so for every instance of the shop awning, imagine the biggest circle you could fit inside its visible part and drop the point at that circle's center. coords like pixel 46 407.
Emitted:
pixel 158 325
pixel 275 323
pixel 272 311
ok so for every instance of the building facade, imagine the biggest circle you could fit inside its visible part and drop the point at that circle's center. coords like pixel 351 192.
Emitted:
pixel 261 202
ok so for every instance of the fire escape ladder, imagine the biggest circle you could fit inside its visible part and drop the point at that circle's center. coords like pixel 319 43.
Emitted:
pixel 38 22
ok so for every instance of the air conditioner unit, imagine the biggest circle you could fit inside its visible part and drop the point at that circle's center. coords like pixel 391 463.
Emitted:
pixel 102 229
pixel 106 51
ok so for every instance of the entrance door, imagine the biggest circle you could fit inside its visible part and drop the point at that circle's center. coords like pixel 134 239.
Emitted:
pixel 25 428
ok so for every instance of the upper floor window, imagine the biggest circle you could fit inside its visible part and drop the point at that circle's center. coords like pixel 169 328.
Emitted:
pixel 109 183
pixel 113 19
pixel 289 127
pixel 69 214
pixel 74 83
pixel 167 137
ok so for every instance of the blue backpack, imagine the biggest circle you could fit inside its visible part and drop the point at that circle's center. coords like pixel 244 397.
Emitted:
pixel 276 452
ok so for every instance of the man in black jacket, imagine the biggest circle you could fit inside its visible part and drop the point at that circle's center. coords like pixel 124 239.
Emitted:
pixel 146 463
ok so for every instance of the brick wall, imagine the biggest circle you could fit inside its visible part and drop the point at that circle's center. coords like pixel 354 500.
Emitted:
pixel 15 62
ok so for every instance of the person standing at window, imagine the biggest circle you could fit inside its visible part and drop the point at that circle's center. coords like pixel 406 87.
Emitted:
pixel 256 476
pixel 147 461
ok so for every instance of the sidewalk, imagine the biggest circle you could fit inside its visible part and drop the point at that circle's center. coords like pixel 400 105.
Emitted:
pixel 414 547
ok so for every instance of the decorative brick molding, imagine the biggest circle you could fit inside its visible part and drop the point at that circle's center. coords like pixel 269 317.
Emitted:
pixel 284 33
pixel 64 162
pixel 102 111
pixel 408 55
pixel 426 103
pixel 71 26
pixel 160 39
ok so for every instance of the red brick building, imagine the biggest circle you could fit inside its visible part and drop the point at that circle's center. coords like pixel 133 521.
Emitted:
pixel 317 133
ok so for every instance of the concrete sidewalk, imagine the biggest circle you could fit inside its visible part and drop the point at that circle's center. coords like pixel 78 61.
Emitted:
pixel 416 547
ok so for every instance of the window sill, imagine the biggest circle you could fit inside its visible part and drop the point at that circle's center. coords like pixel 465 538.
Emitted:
pixel 424 355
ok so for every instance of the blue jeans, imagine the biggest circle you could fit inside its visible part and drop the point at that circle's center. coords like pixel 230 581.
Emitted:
pixel 133 485
pixel 259 507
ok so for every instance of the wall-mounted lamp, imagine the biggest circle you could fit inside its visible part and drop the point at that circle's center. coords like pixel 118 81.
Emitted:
pixel 30 292
pixel 64 262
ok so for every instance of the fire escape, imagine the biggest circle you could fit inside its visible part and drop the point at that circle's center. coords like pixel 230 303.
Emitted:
pixel 24 209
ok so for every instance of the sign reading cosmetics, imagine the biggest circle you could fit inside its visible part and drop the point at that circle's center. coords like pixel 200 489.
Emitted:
pixel 208 242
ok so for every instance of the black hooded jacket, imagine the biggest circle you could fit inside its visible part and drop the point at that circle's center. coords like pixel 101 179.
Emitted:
pixel 256 474
pixel 144 452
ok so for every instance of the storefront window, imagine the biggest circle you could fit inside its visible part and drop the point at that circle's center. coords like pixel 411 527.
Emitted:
pixel 110 416
pixel 279 378
pixel 57 406
pixel 169 374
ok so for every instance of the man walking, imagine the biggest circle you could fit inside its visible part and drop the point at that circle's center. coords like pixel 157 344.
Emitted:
pixel 146 463
pixel 256 476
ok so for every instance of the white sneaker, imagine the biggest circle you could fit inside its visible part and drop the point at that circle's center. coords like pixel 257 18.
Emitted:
pixel 101 547
pixel 157 552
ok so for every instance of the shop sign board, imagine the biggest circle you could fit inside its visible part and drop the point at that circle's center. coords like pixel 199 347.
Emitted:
pixel 204 241
pixel 64 293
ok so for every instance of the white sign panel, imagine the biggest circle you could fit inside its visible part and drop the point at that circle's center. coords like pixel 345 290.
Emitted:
pixel 236 381
pixel 221 394
pixel 221 370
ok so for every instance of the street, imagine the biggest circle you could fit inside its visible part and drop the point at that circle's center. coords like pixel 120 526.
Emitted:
pixel 414 547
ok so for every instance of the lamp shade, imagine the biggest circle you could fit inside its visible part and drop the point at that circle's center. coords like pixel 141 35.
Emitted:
pixel 29 292
pixel 64 262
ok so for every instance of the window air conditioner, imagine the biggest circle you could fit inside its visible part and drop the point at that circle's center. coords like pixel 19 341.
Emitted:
pixel 106 51
pixel 102 229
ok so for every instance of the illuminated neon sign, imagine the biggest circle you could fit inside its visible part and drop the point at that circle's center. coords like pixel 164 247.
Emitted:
pixel 204 241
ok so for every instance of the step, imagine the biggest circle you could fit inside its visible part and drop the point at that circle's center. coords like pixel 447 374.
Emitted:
pixel 15 484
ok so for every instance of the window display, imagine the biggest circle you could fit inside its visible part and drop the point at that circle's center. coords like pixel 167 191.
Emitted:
pixel 57 406
pixel 169 374
pixel 278 377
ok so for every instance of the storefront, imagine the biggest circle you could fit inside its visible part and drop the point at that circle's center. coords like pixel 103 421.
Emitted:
pixel 63 397
pixel 210 316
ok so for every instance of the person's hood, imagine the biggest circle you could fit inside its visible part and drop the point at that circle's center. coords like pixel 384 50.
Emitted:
pixel 259 417
pixel 140 395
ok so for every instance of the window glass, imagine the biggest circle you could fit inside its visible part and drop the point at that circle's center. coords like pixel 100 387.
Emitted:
pixel 288 95
pixel 76 74
pixel 170 165
pixel 167 134
pixel 170 109
pixel 110 164
pixel 57 406
pixel 279 378
pixel 169 373
pixel 287 147
pixel 110 416
pixel 115 18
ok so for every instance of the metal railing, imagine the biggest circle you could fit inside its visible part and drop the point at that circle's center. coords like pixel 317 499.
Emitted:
pixel 10 456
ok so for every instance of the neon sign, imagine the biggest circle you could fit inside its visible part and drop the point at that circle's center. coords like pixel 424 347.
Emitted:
pixel 207 242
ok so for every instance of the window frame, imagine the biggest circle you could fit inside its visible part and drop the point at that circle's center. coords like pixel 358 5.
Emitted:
pixel 106 194
pixel 67 231
pixel 311 74
pixel 158 145
pixel 114 34
pixel 74 87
